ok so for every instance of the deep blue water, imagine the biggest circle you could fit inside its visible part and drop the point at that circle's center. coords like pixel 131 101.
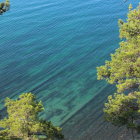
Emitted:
pixel 52 48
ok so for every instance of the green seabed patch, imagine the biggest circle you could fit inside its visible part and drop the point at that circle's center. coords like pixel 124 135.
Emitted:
pixel 71 104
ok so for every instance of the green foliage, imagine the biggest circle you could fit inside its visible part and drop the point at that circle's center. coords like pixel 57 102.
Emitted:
pixel 124 67
pixel 23 121
pixel 123 70
pixel 4 6
pixel 123 110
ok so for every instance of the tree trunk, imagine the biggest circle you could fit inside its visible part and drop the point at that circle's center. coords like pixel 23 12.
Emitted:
pixel 133 137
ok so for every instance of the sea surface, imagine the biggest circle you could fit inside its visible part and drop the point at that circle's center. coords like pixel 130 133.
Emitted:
pixel 52 48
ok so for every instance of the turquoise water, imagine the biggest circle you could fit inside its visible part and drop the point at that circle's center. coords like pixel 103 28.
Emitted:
pixel 52 49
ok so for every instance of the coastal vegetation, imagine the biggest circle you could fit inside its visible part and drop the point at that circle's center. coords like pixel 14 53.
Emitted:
pixel 123 70
pixel 23 122
pixel 4 6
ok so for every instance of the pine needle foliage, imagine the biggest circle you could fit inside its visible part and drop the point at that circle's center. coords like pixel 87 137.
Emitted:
pixel 123 110
pixel 4 6
pixel 123 70
pixel 23 120
pixel 124 67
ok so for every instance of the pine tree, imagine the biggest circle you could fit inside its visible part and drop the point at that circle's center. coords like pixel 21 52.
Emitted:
pixel 123 70
pixel 124 67
pixel 123 109
pixel 4 6
pixel 23 121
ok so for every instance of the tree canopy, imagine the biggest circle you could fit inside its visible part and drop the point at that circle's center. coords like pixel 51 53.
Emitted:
pixel 124 67
pixel 123 109
pixel 23 121
pixel 123 70
pixel 4 6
